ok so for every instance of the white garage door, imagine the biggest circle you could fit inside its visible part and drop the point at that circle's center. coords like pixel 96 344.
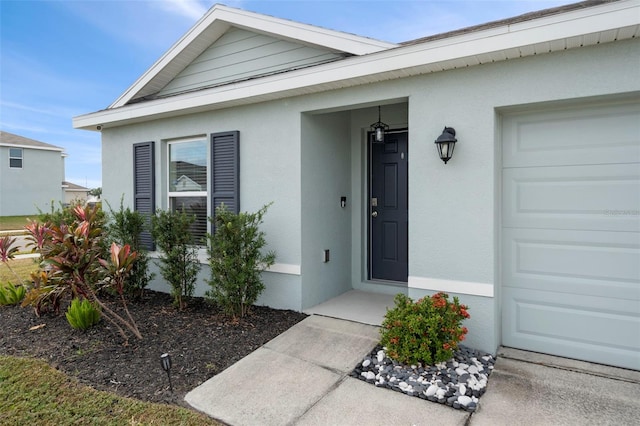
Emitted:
pixel 571 232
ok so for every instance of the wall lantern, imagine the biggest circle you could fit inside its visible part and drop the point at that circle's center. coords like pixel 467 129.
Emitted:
pixel 445 143
pixel 165 360
pixel 379 129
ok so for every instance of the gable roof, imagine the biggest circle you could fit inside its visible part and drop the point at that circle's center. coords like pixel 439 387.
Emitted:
pixel 558 29
pixel 9 139
pixel 217 21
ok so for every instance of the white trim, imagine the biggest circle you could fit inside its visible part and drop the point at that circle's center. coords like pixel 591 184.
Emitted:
pixel 469 49
pixel 39 148
pixel 285 268
pixel 276 268
pixel 220 18
pixel 449 286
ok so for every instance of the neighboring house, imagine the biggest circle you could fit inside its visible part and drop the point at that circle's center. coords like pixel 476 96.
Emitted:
pixel 31 175
pixel 534 222
pixel 75 193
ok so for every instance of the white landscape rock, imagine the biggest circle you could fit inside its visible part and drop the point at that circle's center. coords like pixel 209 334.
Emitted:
pixel 464 400
pixel 431 390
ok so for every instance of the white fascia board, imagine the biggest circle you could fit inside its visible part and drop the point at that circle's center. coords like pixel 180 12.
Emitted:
pixel 346 72
pixel 296 31
pixel 218 20
pixel 39 148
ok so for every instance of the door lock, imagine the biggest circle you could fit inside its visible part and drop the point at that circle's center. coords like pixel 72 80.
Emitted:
pixel 374 214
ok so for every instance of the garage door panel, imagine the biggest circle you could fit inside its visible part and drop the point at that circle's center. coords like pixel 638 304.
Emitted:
pixel 598 134
pixel 599 264
pixel 604 197
pixel 574 326
pixel 571 232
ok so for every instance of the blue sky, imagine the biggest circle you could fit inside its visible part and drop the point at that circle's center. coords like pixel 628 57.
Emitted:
pixel 59 59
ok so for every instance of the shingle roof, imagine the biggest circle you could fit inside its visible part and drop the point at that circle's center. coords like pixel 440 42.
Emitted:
pixel 509 21
pixel 9 139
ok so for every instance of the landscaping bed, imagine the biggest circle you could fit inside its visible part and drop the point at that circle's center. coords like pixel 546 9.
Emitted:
pixel 201 341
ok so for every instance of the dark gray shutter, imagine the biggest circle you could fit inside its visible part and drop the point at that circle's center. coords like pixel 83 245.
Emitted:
pixel 225 171
pixel 144 186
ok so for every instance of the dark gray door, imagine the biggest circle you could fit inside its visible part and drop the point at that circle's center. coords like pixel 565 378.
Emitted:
pixel 388 208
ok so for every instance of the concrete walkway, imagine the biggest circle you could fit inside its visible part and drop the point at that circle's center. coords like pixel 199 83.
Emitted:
pixel 301 378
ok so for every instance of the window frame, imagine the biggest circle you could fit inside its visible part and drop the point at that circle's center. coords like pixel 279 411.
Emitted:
pixel 13 157
pixel 190 194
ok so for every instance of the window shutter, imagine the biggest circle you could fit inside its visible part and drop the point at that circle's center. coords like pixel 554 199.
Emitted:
pixel 144 187
pixel 225 171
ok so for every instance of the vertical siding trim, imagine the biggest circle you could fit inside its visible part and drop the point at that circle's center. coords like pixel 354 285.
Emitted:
pixel 144 186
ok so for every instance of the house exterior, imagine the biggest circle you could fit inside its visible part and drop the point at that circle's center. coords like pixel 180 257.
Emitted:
pixel 534 222
pixel 74 193
pixel 31 175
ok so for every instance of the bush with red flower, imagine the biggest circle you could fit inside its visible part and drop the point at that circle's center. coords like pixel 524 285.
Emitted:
pixel 426 331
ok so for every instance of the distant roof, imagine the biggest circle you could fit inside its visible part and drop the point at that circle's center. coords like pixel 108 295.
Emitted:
pixel 68 186
pixel 9 139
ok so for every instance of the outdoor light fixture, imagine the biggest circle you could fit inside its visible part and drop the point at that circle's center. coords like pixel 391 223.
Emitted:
pixel 379 129
pixel 445 143
pixel 165 360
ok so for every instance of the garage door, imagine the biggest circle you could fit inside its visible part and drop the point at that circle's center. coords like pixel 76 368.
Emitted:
pixel 571 232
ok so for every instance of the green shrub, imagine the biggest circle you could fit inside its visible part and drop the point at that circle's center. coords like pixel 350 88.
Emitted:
pixel 180 265
pixel 82 315
pixel 124 228
pixel 65 214
pixel 11 294
pixel 236 260
pixel 427 331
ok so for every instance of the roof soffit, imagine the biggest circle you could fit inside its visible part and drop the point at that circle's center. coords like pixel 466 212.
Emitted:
pixel 217 21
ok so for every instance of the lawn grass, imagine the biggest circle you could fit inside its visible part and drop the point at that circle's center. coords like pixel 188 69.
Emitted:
pixel 22 267
pixel 11 223
pixel 31 392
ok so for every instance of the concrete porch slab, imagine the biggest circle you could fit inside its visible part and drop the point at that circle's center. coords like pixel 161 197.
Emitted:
pixel 355 305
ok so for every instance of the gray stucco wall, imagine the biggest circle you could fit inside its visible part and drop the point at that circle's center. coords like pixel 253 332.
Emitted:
pixel 325 225
pixel 304 153
pixel 35 186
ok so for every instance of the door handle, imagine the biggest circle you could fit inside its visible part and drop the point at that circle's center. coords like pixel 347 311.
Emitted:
pixel 374 214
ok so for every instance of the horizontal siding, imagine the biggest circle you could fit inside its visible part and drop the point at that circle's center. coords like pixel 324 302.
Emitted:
pixel 241 54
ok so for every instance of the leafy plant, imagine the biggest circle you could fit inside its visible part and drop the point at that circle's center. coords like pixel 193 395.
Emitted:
pixel 180 265
pixel 82 315
pixel 70 255
pixel 427 331
pixel 61 214
pixel 8 251
pixel 236 260
pixel 124 228
pixel 11 294
pixel 118 268
pixel 73 266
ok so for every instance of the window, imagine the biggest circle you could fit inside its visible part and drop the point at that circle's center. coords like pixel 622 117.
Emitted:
pixel 188 181
pixel 15 158
pixel 202 173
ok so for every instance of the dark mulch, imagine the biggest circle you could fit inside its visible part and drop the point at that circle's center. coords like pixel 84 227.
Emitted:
pixel 201 341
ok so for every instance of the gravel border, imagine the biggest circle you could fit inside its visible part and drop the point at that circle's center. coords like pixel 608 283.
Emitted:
pixel 458 383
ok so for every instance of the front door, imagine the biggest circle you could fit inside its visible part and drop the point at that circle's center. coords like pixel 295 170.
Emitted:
pixel 388 208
